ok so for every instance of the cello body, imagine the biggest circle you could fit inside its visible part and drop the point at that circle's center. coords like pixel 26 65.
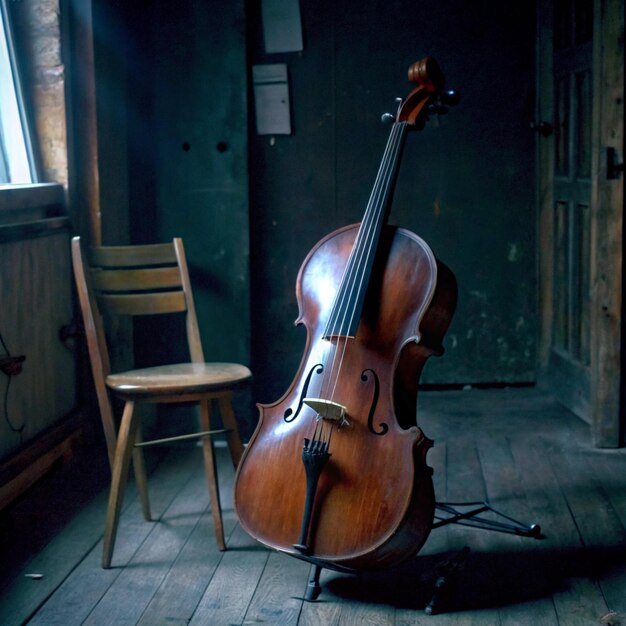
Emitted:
pixel 377 484
pixel 336 472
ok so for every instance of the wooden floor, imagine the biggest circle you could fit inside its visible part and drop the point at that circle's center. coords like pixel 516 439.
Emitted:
pixel 516 447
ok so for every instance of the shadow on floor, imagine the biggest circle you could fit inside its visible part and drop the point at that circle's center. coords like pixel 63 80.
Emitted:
pixel 477 580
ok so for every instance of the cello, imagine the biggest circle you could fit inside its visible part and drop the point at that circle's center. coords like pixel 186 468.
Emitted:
pixel 335 472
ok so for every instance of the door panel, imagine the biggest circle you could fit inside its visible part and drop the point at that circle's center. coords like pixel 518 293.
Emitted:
pixel 571 185
pixel 581 210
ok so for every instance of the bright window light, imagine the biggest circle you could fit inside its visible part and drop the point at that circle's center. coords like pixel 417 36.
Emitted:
pixel 15 154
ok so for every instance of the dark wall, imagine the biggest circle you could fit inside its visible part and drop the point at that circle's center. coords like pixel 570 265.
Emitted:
pixel 466 184
pixel 188 157
pixel 172 122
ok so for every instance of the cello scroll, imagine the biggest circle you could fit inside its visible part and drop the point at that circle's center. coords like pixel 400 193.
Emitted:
pixel 428 96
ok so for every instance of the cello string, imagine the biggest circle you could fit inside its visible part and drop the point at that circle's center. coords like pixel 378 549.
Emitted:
pixel 367 236
pixel 335 327
pixel 374 231
pixel 372 228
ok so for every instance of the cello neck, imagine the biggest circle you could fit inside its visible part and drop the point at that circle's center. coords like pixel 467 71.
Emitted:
pixel 379 203
pixel 412 113
pixel 346 311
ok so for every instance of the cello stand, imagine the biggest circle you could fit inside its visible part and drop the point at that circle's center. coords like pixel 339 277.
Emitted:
pixel 451 515
pixel 313 588
pixel 463 514
pixel 447 574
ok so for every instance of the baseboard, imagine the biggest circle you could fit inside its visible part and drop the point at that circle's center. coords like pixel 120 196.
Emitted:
pixel 22 470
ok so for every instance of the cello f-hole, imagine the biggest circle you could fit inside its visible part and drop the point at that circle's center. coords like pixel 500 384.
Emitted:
pixel 289 414
pixel 370 418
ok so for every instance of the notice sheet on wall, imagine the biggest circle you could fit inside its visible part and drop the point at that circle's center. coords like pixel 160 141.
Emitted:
pixel 271 99
pixel 282 28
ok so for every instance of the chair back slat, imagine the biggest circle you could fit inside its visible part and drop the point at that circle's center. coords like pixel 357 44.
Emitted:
pixel 142 304
pixel 146 279
pixel 137 280
pixel 133 256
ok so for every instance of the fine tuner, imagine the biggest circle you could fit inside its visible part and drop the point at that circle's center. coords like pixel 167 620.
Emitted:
pixel 440 106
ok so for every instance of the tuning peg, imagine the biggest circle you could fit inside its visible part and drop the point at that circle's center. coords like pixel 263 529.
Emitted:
pixel 387 117
pixel 436 108
pixel 450 98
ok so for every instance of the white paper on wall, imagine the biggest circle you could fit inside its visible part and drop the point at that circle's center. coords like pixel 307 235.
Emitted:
pixel 282 28
pixel 271 99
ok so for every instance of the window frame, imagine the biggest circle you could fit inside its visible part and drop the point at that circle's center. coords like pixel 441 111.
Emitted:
pixel 19 104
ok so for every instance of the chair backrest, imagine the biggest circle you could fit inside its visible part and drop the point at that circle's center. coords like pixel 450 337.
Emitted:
pixel 130 280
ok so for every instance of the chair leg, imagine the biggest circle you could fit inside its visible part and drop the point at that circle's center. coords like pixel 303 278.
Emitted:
pixel 211 474
pixel 228 418
pixel 141 477
pixel 119 478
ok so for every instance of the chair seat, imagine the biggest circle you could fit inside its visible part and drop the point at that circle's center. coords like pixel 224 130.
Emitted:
pixel 178 379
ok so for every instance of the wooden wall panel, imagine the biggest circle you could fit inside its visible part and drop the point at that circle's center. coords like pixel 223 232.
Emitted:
pixel 200 161
pixel 187 164
pixel 607 310
pixel 36 301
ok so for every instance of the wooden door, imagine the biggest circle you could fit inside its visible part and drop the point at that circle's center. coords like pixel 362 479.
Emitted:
pixel 580 276
pixel 567 132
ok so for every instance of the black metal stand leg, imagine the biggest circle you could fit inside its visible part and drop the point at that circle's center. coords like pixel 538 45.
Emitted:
pixel 447 575
pixel 448 514
pixel 469 514
pixel 433 607
pixel 313 588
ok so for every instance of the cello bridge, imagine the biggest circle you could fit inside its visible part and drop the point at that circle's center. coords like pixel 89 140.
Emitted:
pixel 328 410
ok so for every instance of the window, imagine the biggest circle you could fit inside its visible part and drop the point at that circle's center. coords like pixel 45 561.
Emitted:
pixel 16 162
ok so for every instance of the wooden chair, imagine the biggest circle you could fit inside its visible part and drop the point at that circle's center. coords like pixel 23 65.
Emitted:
pixel 149 280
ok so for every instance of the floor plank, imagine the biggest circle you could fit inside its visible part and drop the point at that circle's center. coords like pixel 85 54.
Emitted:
pixel 228 595
pixel 54 563
pixel 182 589
pixel 609 472
pixel 580 602
pixel 473 589
pixel 131 592
pixel 88 582
pixel 517 448
pixel 327 610
pixel 187 580
pixel 505 493
pixel 278 596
